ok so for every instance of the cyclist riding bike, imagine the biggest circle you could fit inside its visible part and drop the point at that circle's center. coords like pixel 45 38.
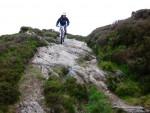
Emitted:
pixel 63 22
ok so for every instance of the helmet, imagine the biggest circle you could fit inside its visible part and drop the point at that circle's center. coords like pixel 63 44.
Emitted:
pixel 64 13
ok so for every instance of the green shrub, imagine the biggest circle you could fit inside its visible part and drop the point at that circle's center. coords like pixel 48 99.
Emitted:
pixel 16 51
pixel 125 43
pixel 8 94
pixel 100 54
pixel 3 108
pixel 78 91
pixel 64 95
pixel 108 65
pixel 68 104
pixel 60 70
pixel 53 99
pixel 52 92
pixel 56 97
pixel 113 81
pixel 24 29
pixel 145 81
pixel 145 100
pixel 60 103
pixel 77 37
pixel 98 102
pixel 128 88
pixel 125 69
pixel 133 100
pixel 50 34
pixel 53 85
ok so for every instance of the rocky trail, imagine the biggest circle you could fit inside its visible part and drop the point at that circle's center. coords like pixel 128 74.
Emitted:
pixel 78 59
pixel 32 99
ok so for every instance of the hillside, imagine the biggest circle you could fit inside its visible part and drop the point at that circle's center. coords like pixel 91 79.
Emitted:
pixel 36 77
pixel 40 75
pixel 15 52
pixel 122 49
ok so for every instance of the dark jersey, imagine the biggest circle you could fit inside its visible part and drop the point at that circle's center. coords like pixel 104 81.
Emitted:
pixel 63 21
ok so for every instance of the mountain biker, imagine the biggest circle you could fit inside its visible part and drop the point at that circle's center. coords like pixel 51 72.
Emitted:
pixel 63 21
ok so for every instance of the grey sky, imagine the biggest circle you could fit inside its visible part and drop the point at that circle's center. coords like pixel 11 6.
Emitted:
pixel 84 15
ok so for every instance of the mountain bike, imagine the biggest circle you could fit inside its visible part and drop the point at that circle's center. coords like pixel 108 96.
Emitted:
pixel 62 34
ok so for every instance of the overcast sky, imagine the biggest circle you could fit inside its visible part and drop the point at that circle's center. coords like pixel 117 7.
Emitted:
pixel 84 15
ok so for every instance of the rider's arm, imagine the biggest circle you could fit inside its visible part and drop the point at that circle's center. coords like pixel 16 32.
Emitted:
pixel 68 22
pixel 57 22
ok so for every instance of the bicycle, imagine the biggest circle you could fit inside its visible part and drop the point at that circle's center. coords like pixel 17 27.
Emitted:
pixel 62 34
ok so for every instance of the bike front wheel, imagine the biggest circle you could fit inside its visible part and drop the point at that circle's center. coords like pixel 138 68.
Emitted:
pixel 62 36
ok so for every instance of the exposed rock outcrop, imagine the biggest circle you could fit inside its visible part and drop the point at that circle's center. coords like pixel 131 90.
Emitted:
pixel 68 55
